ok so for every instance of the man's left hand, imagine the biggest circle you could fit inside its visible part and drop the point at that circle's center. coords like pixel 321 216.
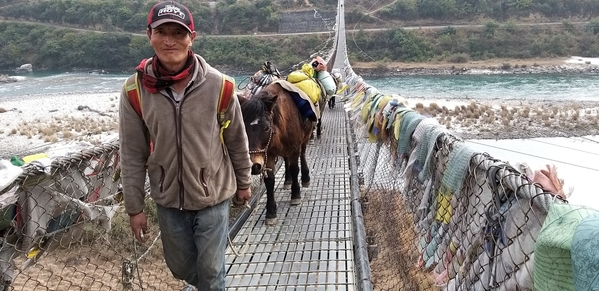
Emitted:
pixel 242 196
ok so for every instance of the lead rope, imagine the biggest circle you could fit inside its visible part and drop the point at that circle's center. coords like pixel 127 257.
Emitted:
pixel 131 266
pixel 243 248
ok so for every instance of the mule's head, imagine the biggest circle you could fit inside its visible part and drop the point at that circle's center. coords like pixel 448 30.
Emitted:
pixel 258 119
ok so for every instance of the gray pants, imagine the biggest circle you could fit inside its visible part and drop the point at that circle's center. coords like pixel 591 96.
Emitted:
pixel 194 244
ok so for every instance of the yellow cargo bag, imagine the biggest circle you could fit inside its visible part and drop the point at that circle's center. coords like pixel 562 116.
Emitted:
pixel 303 80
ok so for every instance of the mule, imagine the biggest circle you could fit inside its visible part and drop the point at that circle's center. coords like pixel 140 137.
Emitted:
pixel 276 128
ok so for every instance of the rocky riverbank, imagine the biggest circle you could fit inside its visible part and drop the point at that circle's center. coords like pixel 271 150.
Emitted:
pixel 573 65
pixel 569 69
pixel 7 79
pixel 512 119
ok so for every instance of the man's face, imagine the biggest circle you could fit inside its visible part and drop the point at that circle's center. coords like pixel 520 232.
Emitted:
pixel 171 41
pixel 317 66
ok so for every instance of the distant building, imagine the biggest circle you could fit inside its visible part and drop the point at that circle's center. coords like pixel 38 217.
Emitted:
pixel 307 21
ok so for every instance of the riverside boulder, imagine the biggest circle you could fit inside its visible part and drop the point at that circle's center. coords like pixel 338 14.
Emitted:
pixel 7 79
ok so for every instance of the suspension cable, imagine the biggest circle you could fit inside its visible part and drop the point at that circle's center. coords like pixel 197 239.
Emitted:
pixel 362 52
pixel 566 147
pixel 534 156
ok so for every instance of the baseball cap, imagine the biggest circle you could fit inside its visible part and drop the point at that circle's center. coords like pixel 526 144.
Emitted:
pixel 170 11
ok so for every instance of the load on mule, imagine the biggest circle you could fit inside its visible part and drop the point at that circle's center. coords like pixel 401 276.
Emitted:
pixel 307 79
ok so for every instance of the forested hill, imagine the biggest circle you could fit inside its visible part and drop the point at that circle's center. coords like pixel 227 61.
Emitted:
pixel 59 34
pixel 249 16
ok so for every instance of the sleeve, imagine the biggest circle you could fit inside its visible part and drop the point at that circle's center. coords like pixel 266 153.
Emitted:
pixel 237 144
pixel 134 152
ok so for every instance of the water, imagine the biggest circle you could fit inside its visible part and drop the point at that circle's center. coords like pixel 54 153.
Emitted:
pixel 55 82
pixel 52 82
pixel 583 87
pixel 576 159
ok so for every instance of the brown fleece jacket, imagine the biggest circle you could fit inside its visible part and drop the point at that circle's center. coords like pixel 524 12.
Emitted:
pixel 188 168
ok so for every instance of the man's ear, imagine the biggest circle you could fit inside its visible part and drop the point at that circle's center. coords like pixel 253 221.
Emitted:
pixel 149 33
pixel 193 36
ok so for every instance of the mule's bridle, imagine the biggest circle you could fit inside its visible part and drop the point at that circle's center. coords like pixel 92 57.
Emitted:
pixel 265 151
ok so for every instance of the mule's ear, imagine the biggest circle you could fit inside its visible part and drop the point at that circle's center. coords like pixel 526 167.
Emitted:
pixel 270 100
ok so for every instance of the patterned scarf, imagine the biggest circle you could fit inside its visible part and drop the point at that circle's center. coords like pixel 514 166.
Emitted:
pixel 163 78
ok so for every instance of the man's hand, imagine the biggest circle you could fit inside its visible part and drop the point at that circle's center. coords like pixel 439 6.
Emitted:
pixel 242 196
pixel 139 226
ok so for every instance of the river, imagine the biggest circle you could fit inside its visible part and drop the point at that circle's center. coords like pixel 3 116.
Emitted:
pixel 577 159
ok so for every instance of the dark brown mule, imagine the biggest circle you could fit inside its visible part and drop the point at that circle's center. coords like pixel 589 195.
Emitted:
pixel 318 126
pixel 275 127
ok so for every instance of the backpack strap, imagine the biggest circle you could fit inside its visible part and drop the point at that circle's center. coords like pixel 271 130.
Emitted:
pixel 134 97
pixel 132 89
pixel 226 93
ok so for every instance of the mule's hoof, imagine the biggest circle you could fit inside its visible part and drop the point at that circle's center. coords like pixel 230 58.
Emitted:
pixel 271 221
pixel 287 185
pixel 295 201
pixel 306 184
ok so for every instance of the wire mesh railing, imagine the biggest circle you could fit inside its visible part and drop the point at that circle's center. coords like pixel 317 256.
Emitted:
pixel 63 227
pixel 441 216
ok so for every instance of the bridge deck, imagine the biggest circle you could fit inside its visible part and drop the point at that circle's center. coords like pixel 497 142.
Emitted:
pixel 311 247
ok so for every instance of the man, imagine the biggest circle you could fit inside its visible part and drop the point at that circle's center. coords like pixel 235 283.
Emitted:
pixel 192 175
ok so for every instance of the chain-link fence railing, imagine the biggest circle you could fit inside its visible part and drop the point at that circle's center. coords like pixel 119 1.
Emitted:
pixel 63 227
pixel 441 216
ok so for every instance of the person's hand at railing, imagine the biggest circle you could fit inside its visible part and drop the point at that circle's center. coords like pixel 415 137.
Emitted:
pixel 139 226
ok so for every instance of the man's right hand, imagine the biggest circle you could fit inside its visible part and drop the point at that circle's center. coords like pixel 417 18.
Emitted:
pixel 139 226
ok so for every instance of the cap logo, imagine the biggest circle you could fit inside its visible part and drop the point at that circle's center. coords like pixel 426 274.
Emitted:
pixel 171 10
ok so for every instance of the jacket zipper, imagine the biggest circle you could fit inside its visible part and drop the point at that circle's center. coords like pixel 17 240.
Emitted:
pixel 179 153
pixel 177 105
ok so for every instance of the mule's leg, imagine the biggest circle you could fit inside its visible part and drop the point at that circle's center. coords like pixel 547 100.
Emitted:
pixel 287 183
pixel 296 196
pixel 271 204
pixel 304 168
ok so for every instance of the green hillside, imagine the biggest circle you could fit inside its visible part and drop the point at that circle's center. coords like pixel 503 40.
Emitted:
pixel 241 35
pixel 244 16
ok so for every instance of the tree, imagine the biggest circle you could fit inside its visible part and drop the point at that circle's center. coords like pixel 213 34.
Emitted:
pixel 490 28
pixel 593 26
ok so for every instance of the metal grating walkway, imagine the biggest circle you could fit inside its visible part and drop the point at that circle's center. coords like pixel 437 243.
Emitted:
pixel 311 247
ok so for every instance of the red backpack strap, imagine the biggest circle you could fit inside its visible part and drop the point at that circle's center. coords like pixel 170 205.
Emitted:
pixel 134 97
pixel 132 89
pixel 226 93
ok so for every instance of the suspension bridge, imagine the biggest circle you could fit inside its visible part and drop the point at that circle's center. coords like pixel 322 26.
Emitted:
pixel 396 202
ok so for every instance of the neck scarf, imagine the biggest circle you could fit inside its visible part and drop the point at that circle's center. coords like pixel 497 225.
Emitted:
pixel 163 78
